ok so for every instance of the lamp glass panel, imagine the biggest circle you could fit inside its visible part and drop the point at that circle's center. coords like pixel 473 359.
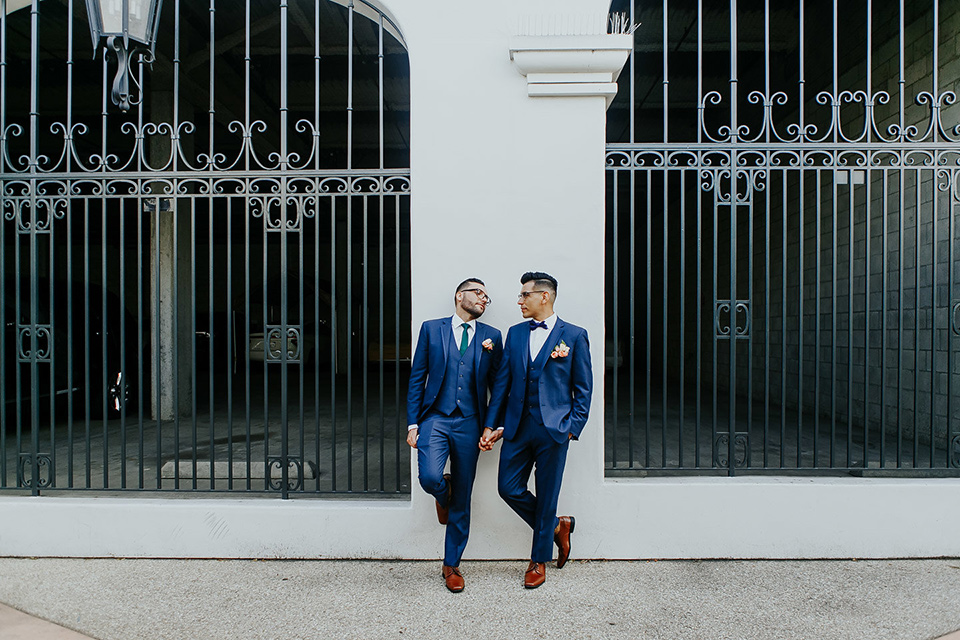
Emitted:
pixel 139 21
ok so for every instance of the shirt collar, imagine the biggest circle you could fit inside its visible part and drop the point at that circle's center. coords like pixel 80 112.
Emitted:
pixel 551 322
pixel 456 321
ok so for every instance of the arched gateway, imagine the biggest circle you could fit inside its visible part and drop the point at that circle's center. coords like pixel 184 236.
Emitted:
pixel 208 292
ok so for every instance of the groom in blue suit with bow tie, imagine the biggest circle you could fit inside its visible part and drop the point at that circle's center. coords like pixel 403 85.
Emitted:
pixel 454 364
pixel 540 401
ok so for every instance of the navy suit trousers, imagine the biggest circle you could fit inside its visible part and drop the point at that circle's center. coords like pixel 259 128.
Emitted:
pixel 532 445
pixel 456 438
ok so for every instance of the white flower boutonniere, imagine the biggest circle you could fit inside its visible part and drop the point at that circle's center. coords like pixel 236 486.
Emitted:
pixel 560 351
pixel 487 344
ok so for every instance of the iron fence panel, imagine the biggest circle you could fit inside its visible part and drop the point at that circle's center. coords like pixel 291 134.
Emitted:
pixel 781 214
pixel 208 293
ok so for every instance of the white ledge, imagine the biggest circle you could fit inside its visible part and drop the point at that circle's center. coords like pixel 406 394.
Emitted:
pixel 574 65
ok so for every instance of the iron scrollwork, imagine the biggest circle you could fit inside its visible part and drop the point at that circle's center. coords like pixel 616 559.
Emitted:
pixel 139 139
pixel 294 473
pixel 851 118
pixel 274 344
pixel 43 341
pixel 723 310
pixel 44 465
pixel 955 452
pixel 955 319
pixel 741 444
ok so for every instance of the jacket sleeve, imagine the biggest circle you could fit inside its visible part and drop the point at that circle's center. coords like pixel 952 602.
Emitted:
pixel 418 376
pixel 501 385
pixel 581 384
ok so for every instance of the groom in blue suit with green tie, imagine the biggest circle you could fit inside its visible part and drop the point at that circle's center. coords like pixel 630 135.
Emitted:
pixel 454 364
pixel 540 401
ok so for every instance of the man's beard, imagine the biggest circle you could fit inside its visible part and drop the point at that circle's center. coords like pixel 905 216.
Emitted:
pixel 474 312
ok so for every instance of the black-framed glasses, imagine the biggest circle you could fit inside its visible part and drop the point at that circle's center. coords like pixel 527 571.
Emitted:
pixel 480 294
pixel 523 294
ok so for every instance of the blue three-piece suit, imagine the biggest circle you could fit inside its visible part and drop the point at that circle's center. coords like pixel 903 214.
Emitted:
pixel 540 404
pixel 447 398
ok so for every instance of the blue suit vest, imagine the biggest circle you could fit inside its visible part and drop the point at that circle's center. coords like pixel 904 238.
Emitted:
pixel 459 383
pixel 531 400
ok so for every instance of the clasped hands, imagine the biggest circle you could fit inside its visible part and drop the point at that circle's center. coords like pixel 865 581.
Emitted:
pixel 489 437
pixel 487 440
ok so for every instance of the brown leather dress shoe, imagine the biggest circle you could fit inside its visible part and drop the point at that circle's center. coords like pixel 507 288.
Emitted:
pixel 453 578
pixel 561 535
pixel 443 513
pixel 535 576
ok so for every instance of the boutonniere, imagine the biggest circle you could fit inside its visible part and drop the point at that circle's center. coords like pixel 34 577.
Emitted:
pixel 487 344
pixel 560 351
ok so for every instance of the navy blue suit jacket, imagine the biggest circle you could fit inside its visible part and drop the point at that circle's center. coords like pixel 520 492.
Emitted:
pixel 566 383
pixel 430 363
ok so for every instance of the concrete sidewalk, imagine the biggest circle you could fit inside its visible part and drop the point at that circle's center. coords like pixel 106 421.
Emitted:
pixel 16 625
pixel 688 600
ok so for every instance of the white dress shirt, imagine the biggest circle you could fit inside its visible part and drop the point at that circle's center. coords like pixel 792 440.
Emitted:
pixel 538 337
pixel 456 325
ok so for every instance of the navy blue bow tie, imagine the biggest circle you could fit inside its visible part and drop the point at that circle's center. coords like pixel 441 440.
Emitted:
pixel 537 325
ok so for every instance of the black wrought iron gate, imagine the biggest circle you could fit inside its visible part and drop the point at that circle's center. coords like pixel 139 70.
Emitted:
pixel 208 293
pixel 782 217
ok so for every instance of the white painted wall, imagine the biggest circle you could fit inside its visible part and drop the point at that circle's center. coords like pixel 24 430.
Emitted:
pixel 526 176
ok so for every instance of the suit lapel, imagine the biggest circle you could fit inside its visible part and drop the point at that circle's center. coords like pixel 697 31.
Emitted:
pixel 553 339
pixel 446 338
pixel 478 350
pixel 523 337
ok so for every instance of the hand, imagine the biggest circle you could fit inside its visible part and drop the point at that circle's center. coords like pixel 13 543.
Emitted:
pixel 412 437
pixel 489 437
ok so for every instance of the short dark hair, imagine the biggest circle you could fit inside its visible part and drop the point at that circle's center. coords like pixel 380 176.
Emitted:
pixel 540 279
pixel 463 285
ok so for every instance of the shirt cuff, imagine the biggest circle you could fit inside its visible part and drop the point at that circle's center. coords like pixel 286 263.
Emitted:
pixel 412 427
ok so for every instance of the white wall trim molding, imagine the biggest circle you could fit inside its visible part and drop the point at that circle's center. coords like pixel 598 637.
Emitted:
pixel 651 518
pixel 571 65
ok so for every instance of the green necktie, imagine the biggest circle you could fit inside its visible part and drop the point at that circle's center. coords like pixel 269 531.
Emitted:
pixel 464 339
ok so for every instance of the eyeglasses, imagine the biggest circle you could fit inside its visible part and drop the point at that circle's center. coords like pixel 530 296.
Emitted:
pixel 480 294
pixel 523 294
